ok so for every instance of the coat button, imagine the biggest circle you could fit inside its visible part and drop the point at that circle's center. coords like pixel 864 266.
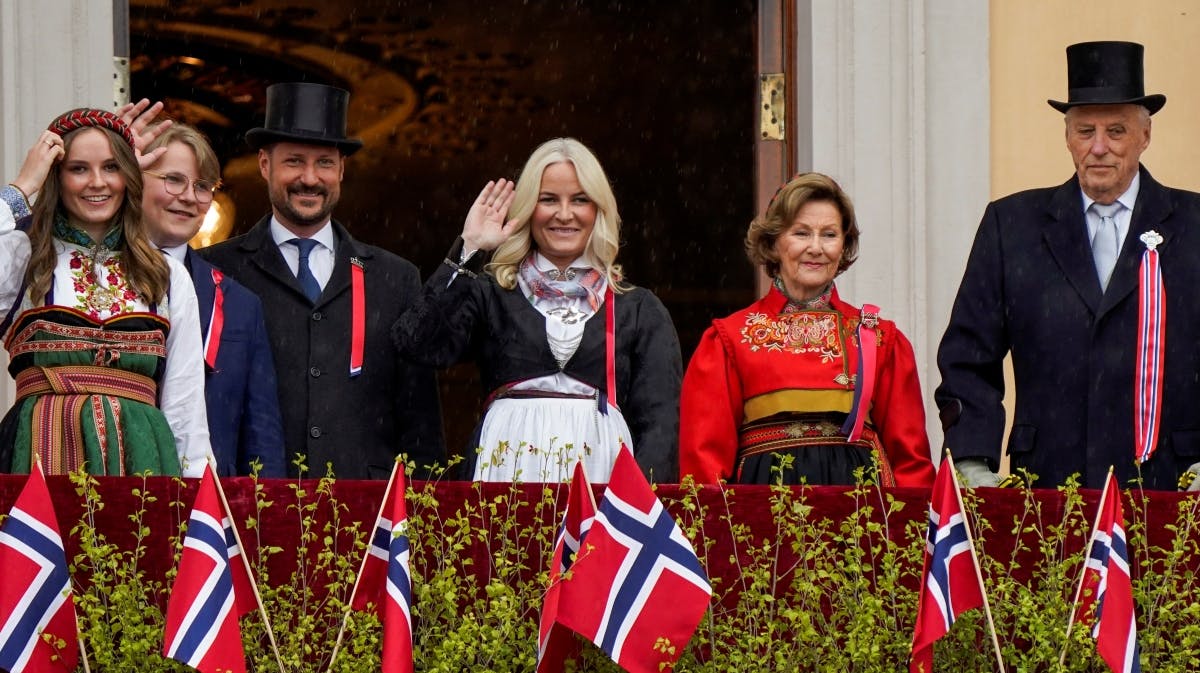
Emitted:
pixel 314 371
pixel 317 316
pixel 314 432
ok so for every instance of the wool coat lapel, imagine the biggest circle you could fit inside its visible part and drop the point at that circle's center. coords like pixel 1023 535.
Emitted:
pixel 205 290
pixel 347 249
pixel 263 252
pixel 1152 211
pixel 1066 235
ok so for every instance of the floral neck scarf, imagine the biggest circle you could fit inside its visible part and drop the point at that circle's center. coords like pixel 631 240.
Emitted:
pixel 817 303
pixel 573 282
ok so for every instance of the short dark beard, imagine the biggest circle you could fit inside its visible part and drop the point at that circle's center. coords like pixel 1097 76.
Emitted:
pixel 284 208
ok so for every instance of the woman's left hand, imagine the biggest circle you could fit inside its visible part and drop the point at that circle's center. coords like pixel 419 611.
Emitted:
pixel 139 117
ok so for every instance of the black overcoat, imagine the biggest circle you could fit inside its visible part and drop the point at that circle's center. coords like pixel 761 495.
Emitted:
pixel 476 319
pixel 356 424
pixel 1030 288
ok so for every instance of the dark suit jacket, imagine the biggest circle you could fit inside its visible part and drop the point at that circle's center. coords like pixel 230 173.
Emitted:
pixel 357 425
pixel 1030 287
pixel 243 403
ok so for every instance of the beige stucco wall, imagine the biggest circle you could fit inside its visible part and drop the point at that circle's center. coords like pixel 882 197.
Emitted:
pixel 1028 65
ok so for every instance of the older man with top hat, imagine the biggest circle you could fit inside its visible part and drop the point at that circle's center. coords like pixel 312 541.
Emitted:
pixel 348 400
pixel 1089 285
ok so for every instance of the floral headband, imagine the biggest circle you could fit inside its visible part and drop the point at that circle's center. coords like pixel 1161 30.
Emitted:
pixel 85 117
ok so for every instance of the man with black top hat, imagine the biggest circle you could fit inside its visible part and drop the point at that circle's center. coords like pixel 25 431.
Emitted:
pixel 348 400
pixel 1056 277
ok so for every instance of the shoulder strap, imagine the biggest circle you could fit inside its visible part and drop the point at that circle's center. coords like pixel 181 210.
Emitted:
pixel 610 344
pixel 864 387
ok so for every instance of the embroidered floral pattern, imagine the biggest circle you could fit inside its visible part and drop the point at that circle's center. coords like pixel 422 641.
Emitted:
pixel 101 290
pixel 797 333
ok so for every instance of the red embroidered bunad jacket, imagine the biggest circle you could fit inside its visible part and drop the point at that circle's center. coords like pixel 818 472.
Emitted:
pixel 759 363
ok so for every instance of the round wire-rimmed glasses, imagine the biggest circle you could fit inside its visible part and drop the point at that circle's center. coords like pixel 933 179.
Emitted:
pixel 177 183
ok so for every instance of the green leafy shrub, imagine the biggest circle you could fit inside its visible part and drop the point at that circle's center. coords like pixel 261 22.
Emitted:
pixel 811 592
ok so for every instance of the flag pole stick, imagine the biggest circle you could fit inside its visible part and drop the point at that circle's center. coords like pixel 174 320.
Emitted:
pixel 246 564
pixel 591 495
pixel 337 645
pixel 36 459
pixel 987 608
pixel 83 650
pixel 1062 657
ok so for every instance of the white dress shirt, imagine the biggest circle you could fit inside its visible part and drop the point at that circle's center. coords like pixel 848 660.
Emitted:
pixel 179 252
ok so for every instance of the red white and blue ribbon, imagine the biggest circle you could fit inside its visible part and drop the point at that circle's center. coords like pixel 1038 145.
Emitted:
pixel 864 387
pixel 1152 324
pixel 358 316
pixel 216 323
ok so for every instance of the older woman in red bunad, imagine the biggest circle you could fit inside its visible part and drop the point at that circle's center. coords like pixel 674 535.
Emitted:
pixel 777 392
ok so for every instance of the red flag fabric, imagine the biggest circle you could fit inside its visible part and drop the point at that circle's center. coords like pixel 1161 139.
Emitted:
pixel 385 584
pixel 636 589
pixel 1108 588
pixel 950 584
pixel 556 643
pixel 35 596
pixel 212 590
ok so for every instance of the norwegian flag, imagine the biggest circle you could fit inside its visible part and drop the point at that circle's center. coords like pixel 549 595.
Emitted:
pixel 384 581
pixel 35 596
pixel 556 644
pixel 212 590
pixel 1106 585
pixel 951 584
pixel 636 589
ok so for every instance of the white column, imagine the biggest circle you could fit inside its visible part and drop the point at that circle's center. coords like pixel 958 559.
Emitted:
pixel 55 55
pixel 898 113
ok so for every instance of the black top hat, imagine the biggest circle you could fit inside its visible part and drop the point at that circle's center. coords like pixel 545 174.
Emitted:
pixel 1106 73
pixel 308 113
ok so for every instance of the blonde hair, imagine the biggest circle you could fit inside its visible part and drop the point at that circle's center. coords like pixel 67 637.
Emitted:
pixel 206 158
pixel 602 245
pixel 147 273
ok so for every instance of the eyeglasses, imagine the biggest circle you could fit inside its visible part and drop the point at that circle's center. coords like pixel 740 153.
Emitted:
pixel 177 183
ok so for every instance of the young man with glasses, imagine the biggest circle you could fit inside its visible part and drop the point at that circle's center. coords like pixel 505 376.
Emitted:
pixel 240 387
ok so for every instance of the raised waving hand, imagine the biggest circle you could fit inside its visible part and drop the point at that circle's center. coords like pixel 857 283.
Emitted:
pixel 485 227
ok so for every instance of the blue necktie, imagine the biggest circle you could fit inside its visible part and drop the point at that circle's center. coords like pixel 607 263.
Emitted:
pixel 308 282
pixel 1105 246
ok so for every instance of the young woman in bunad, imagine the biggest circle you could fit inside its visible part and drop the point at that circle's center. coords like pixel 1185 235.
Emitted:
pixel 574 360
pixel 101 329
pixel 801 373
